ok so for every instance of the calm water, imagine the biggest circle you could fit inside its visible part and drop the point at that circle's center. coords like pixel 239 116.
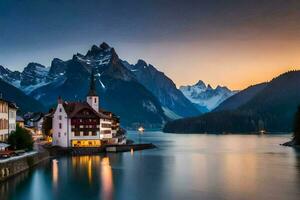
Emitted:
pixel 183 167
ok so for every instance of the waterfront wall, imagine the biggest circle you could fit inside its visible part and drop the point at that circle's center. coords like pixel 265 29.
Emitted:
pixel 13 167
pixel 59 151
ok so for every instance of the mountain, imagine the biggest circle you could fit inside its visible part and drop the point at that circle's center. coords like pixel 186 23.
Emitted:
pixel 118 88
pixel 174 103
pixel 9 76
pixel 33 76
pixel 240 98
pixel 271 109
pixel 24 102
pixel 205 97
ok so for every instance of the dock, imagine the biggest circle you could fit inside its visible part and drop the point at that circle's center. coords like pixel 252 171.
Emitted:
pixel 129 147
pixel 59 151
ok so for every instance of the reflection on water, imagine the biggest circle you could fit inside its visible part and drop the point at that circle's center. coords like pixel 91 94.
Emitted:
pixel 182 167
pixel 10 186
pixel 242 172
pixel 106 179
pixel 54 172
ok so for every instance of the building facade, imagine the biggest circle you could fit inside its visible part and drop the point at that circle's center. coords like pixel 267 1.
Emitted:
pixel 8 112
pixel 82 124
pixel 12 117
pixel 20 121
pixel 34 122
pixel 4 125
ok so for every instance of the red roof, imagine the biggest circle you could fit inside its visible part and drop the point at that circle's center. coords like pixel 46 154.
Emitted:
pixel 73 109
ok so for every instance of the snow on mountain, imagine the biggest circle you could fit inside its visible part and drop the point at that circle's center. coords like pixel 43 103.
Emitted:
pixel 174 103
pixel 116 85
pixel 203 95
pixel 33 76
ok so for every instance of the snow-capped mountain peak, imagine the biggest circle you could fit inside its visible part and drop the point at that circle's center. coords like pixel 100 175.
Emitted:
pixel 206 96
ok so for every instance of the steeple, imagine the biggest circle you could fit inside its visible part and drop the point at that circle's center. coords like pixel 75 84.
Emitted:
pixel 92 91
pixel 92 98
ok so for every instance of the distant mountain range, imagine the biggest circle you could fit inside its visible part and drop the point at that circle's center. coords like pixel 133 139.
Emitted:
pixel 240 98
pixel 23 101
pixel 268 106
pixel 138 93
pixel 173 102
pixel 204 97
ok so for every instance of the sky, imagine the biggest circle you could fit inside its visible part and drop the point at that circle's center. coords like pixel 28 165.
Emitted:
pixel 235 43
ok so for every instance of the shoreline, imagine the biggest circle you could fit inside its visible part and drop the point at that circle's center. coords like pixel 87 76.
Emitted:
pixel 14 167
pixel 60 151
pixel 290 144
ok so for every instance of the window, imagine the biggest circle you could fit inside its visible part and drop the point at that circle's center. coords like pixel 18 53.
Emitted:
pixel 106 125
pixel 95 100
pixel 85 133
pixel 60 117
pixel 94 133
pixel 60 125
pixel 106 132
pixel 59 134
pixel 60 110
pixel 77 133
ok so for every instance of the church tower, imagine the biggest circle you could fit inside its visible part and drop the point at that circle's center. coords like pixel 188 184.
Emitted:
pixel 92 97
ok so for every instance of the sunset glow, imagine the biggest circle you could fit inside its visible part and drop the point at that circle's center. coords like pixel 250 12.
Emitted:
pixel 230 43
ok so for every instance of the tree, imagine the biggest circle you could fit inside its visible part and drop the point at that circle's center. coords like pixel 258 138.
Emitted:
pixel 47 125
pixel 296 136
pixel 20 139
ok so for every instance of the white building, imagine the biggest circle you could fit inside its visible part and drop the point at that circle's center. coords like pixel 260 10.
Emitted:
pixel 81 124
pixel 12 117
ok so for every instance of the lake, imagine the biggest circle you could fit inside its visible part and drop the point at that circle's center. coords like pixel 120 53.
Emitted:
pixel 182 167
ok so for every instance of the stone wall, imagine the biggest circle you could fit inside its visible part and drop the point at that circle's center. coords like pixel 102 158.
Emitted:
pixel 13 167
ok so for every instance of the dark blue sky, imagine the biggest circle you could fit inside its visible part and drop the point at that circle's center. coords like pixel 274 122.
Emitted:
pixel 177 36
